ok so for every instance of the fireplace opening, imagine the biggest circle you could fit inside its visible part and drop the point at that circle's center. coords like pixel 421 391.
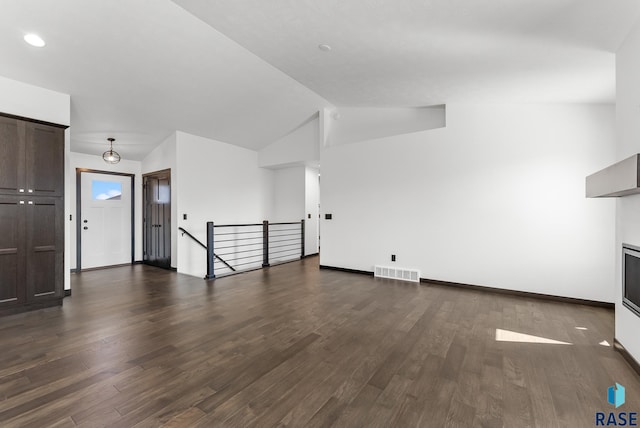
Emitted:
pixel 631 277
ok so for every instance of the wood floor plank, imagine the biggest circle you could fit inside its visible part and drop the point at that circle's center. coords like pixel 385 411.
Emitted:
pixel 66 422
pixel 406 414
pixel 251 372
pixel 186 418
pixel 295 346
pixel 352 415
pixel 302 401
pixel 460 415
pixel 268 391
pixel 52 396
pixel 155 410
pixel 388 403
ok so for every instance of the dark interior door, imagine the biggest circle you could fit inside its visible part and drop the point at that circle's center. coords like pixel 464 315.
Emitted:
pixel 157 219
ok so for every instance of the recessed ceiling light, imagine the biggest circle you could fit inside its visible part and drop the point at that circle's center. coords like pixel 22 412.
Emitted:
pixel 34 40
pixel 324 48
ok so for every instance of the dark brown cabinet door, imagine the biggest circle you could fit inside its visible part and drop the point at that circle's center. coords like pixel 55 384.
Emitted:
pixel 44 248
pixel 44 154
pixel 12 160
pixel 31 215
pixel 12 262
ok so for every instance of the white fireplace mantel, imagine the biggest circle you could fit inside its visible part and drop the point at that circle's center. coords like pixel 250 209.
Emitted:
pixel 620 179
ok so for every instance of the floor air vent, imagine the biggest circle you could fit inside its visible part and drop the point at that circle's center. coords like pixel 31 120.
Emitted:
pixel 397 273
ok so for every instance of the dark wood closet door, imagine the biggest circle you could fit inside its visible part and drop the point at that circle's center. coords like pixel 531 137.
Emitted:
pixel 45 252
pixel 157 220
pixel 12 264
pixel 12 137
pixel 44 160
pixel 31 214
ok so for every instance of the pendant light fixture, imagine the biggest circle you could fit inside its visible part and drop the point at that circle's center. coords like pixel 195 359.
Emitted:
pixel 111 156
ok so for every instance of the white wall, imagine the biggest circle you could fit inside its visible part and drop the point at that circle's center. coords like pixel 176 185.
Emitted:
pixel 299 146
pixel 311 201
pixel 296 196
pixel 289 194
pixel 21 99
pixel 81 160
pixel 33 102
pixel 353 124
pixel 217 182
pixel 162 157
pixel 628 207
pixel 497 198
pixel 165 157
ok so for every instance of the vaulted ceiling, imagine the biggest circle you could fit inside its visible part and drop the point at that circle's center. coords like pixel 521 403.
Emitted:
pixel 248 71
pixel 425 52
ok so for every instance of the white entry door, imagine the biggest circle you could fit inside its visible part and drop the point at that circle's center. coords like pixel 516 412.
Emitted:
pixel 105 219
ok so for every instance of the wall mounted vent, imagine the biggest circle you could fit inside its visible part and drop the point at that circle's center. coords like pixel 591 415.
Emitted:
pixel 403 274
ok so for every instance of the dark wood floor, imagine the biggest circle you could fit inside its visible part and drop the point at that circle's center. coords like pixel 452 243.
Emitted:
pixel 295 346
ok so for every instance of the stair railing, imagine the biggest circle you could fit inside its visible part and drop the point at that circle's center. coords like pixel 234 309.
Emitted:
pixel 252 246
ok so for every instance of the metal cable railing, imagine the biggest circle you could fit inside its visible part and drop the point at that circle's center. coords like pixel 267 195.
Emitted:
pixel 242 247
pixel 184 231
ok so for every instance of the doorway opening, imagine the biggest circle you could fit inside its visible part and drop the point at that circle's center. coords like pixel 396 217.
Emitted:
pixel 157 218
pixel 105 230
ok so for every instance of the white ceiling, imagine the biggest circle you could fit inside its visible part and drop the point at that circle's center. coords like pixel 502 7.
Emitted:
pixel 138 70
pixel 425 52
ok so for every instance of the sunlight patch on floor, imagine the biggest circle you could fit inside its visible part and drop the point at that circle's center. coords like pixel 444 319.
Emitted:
pixel 512 336
pixel 604 343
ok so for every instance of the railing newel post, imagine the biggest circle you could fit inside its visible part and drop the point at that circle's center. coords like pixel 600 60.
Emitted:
pixel 302 230
pixel 210 253
pixel 265 243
